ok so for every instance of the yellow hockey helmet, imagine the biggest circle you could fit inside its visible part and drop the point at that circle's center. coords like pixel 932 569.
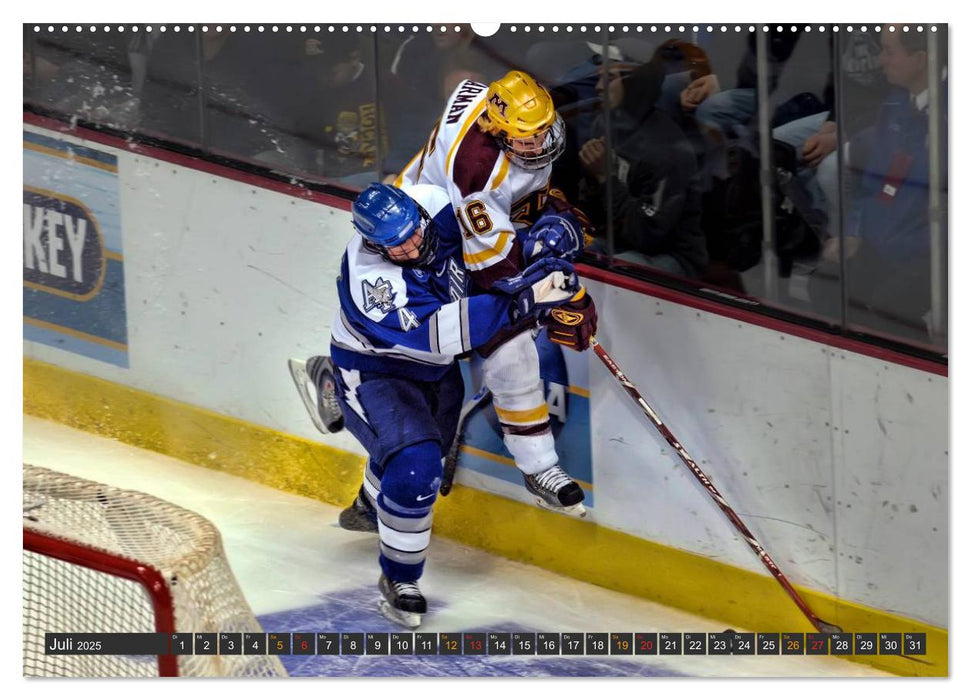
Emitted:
pixel 520 113
pixel 518 106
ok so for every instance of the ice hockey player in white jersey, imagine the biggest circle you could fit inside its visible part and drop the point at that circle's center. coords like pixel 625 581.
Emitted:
pixel 405 314
pixel 492 150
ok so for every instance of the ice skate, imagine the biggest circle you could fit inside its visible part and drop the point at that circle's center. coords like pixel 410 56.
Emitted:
pixel 402 602
pixel 556 491
pixel 317 375
pixel 360 516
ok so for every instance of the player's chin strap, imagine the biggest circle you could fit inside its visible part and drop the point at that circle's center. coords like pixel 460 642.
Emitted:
pixel 693 467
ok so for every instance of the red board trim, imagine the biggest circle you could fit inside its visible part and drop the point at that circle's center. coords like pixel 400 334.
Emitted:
pixel 605 276
pixel 187 161
pixel 756 319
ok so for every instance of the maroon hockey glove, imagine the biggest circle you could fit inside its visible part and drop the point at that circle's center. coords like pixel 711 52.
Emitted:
pixel 573 323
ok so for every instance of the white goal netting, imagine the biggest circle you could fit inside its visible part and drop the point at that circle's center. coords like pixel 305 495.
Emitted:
pixel 84 542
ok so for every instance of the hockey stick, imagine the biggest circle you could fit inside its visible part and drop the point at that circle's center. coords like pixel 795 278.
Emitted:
pixel 452 458
pixel 819 624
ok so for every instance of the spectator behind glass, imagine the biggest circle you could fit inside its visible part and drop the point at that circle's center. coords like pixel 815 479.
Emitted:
pixel 721 113
pixel 886 238
pixel 423 72
pixel 729 117
pixel 334 108
pixel 656 193
pixel 576 97
pixel 815 137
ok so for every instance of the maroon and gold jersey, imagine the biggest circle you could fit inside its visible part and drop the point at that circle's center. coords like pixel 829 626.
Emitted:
pixel 492 196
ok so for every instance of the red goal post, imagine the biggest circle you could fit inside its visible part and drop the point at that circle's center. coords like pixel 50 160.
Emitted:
pixel 102 559
pixel 149 578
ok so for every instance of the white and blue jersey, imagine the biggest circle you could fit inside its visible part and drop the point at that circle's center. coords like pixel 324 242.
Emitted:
pixel 412 321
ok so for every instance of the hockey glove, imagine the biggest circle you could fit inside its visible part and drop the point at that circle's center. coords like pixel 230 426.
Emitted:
pixel 556 203
pixel 574 323
pixel 545 284
pixel 554 235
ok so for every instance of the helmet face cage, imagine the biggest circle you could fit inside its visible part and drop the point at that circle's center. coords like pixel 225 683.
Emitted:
pixel 426 249
pixel 553 147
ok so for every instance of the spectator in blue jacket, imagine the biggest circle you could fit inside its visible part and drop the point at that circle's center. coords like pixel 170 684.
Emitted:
pixel 886 235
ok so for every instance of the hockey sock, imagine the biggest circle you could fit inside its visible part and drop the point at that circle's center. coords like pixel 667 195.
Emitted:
pixel 409 487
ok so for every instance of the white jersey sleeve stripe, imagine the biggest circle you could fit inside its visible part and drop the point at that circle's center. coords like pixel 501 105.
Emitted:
pixel 345 336
pixel 450 329
pixel 433 341
pixel 464 320
pixel 346 325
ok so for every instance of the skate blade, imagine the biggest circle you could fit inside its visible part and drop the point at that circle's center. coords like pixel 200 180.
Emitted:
pixel 405 619
pixel 574 511
pixel 298 370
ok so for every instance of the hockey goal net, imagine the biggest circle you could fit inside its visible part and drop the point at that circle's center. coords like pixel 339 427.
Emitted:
pixel 99 559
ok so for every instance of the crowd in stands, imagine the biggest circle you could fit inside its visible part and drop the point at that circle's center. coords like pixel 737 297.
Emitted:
pixel 663 150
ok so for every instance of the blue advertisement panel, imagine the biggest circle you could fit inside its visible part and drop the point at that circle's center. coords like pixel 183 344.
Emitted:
pixel 566 384
pixel 74 277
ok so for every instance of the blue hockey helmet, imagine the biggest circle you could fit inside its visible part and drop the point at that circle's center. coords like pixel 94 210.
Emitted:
pixel 388 218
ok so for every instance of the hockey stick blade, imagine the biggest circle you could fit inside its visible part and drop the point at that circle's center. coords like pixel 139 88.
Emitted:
pixel 452 457
pixel 635 395
pixel 826 627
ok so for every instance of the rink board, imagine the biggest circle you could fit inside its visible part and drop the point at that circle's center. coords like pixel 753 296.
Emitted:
pixel 837 461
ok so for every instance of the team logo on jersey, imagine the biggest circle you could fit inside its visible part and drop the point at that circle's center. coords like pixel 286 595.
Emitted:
pixel 567 318
pixel 526 210
pixel 456 280
pixel 378 295
pixel 499 103
pixel 407 320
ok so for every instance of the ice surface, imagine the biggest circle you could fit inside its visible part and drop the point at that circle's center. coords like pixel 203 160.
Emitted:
pixel 301 573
